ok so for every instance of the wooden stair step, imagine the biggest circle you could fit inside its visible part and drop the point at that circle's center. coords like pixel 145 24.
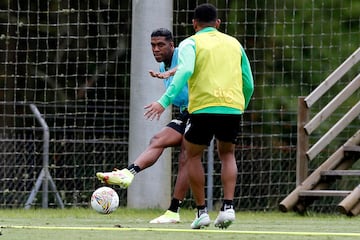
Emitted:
pixel 340 173
pixel 353 148
pixel 320 193
pixel 352 151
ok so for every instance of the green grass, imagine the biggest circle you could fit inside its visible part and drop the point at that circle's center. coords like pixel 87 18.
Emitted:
pixel 133 224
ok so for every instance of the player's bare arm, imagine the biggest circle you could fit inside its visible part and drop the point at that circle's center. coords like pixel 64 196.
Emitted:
pixel 153 110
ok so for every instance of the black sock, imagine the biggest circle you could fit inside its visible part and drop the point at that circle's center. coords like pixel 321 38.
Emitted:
pixel 174 205
pixel 201 209
pixel 227 204
pixel 134 169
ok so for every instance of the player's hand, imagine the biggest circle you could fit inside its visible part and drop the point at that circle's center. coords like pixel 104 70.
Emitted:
pixel 153 110
pixel 154 74
pixel 161 75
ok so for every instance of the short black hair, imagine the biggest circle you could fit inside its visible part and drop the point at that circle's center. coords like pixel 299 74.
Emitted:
pixel 205 13
pixel 162 32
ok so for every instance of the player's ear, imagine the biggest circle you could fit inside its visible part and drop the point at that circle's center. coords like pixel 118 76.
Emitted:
pixel 196 25
pixel 217 23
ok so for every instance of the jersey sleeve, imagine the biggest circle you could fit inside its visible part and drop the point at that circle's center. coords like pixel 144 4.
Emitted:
pixel 248 81
pixel 185 68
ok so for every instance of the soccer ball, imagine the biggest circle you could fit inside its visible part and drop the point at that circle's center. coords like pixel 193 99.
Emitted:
pixel 104 200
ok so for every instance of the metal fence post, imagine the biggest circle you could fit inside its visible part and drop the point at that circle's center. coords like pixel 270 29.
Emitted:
pixel 210 179
pixel 44 176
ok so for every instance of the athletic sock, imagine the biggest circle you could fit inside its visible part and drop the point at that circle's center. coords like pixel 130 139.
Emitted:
pixel 174 205
pixel 134 169
pixel 201 209
pixel 227 204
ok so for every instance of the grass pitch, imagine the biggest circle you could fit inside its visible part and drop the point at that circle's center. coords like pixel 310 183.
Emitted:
pixel 80 223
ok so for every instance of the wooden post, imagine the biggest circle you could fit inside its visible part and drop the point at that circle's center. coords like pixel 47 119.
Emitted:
pixel 302 142
pixel 312 181
pixel 348 203
pixel 355 210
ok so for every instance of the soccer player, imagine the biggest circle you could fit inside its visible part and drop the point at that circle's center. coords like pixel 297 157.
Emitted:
pixel 220 82
pixel 171 135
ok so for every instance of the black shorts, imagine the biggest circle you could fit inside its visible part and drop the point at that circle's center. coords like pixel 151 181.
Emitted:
pixel 179 124
pixel 201 128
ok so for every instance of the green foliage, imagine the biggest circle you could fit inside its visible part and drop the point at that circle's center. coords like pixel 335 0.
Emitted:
pixel 293 46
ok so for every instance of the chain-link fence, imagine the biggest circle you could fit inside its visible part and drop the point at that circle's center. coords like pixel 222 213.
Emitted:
pixel 72 60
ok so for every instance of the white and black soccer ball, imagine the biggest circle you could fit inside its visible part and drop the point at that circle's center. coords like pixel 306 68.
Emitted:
pixel 104 200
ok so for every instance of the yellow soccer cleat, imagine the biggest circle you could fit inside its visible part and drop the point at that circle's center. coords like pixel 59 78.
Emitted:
pixel 167 217
pixel 122 178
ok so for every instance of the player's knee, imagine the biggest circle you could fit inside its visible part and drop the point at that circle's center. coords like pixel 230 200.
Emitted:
pixel 156 141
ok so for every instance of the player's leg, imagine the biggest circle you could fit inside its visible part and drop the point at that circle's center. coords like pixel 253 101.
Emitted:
pixel 182 183
pixel 197 137
pixel 195 171
pixel 226 151
pixel 181 187
pixel 226 132
pixel 167 137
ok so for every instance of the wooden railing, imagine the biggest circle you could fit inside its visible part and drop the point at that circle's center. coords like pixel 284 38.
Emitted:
pixel 306 126
pixel 335 164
